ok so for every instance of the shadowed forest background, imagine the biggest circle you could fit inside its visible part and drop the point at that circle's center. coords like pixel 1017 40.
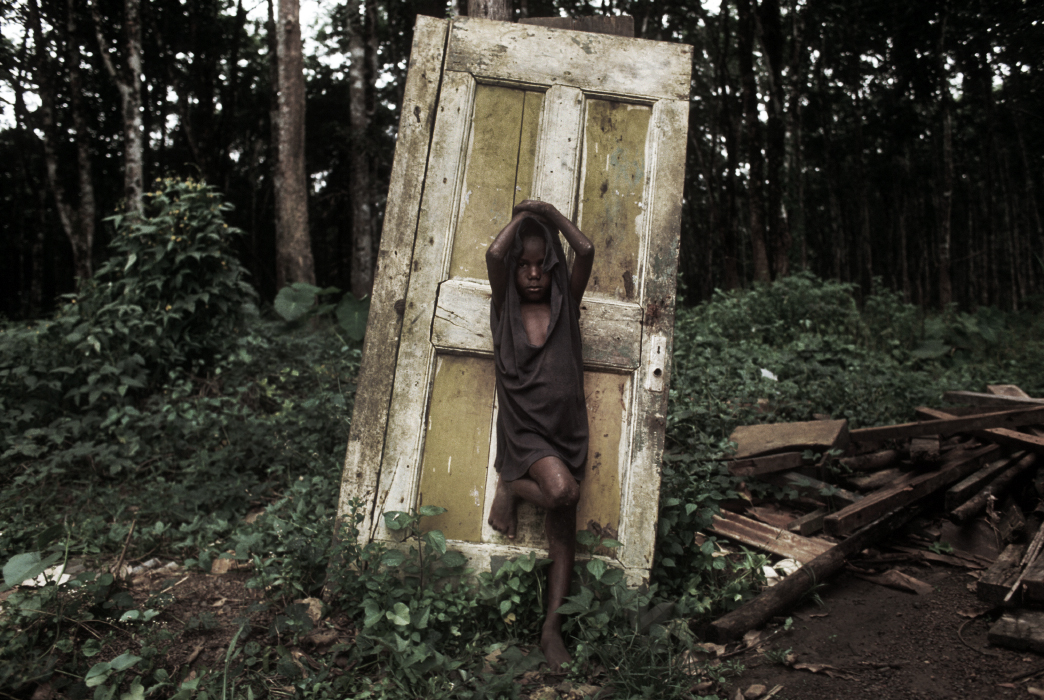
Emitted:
pixel 883 143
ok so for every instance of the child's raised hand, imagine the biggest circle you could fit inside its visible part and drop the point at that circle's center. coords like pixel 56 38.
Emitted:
pixel 535 206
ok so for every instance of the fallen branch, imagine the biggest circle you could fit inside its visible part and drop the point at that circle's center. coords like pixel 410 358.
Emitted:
pixel 976 503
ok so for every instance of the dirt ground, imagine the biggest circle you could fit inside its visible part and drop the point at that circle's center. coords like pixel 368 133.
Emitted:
pixel 886 644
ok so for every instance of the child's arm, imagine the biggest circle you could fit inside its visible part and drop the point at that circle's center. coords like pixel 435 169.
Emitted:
pixel 581 245
pixel 499 277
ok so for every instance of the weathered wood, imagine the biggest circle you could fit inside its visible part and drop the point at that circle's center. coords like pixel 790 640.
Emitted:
pixel 1014 392
pixel 871 482
pixel 1002 436
pixel 979 399
pixel 924 449
pixel 809 486
pixel 611 331
pixel 765 465
pixel 1019 629
pixel 876 504
pixel 769 438
pixel 947 424
pixel 770 539
pixel 547 56
pixel 870 462
pixel 809 523
pixel 996 582
pixel 381 344
pixel 974 505
pixel 965 489
pixel 791 589
pixel 618 25
pixel 1012 522
pixel 1033 581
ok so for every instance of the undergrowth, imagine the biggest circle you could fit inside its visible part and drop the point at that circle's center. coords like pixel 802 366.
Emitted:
pixel 158 414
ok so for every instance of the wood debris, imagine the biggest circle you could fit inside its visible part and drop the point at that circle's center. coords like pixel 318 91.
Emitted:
pixel 972 467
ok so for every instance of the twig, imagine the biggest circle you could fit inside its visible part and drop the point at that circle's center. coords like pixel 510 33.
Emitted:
pixel 1026 675
pixel 115 571
pixel 965 642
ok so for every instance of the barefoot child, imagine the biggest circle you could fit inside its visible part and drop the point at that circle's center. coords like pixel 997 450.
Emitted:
pixel 542 420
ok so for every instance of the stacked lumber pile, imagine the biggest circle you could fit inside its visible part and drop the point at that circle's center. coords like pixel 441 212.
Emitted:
pixel 848 490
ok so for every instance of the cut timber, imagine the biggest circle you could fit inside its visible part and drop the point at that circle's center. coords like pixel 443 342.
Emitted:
pixel 1002 436
pixel 808 523
pixel 770 438
pixel 1033 581
pixel 870 482
pixel 766 465
pixel 808 486
pixel 871 461
pixel 962 491
pixel 790 590
pixel 1011 523
pixel 977 502
pixel 924 449
pixel 1014 392
pixel 1019 629
pixel 947 424
pixel 770 539
pixel 978 399
pixel 876 504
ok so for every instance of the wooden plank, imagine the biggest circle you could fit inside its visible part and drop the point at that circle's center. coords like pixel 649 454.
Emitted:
pixel 612 186
pixel 994 583
pixel 877 480
pixel 870 462
pixel 1033 581
pixel 854 516
pixel 611 331
pixel 765 537
pixel 808 523
pixel 925 449
pixel 815 488
pixel 619 25
pixel 768 438
pixel 527 145
pixel 1002 436
pixel 391 278
pixel 777 599
pixel 974 505
pixel 765 465
pixel 1019 629
pixel 963 490
pixel 1015 392
pixel 547 56
pixel 947 424
pixel 608 397
pixel 1000 401
pixel 456 448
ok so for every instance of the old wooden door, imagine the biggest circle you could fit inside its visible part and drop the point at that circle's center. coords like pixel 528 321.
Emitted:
pixel 596 125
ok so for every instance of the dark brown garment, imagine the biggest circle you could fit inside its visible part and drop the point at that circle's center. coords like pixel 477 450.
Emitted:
pixel 540 389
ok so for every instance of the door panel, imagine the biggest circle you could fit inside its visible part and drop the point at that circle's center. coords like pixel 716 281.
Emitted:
pixel 595 125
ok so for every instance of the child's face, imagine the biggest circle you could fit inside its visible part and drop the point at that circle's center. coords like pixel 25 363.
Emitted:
pixel 531 281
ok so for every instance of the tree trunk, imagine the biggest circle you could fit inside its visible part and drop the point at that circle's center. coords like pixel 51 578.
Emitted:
pixel 499 10
pixel 755 198
pixel 128 82
pixel 83 245
pixel 293 244
pixel 731 125
pixel 361 180
pixel 946 195
pixel 778 230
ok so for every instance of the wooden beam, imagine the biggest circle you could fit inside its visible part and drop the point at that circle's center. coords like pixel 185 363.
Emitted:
pixel 808 523
pixel 877 480
pixel 852 517
pixel 1019 629
pixel 808 486
pixel 872 461
pixel 962 491
pixel 1002 436
pixel 765 537
pixel 772 438
pixel 976 503
pixel 791 589
pixel 765 465
pixel 948 424
pixel 979 399
pixel 1013 391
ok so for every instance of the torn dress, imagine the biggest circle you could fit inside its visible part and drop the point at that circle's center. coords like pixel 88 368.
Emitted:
pixel 540 389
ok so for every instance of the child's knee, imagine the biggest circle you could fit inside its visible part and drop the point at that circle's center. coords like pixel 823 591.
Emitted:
pixel 565 494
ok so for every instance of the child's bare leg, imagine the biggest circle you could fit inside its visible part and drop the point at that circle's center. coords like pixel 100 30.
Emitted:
pixel 503 515
pixel 554 489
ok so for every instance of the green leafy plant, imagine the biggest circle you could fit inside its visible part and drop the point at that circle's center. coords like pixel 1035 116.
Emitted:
pixel 301 300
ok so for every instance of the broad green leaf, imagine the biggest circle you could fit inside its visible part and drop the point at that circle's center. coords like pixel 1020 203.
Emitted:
pixel 597 568
pixel 527 563
pixel 430 511
pixel 352 314
pixel 22 567
pixel 437 540
pixel 393 557
pixel 454 559
pixel 137 692
pixel 124 661
pixel 98 674
pixel 400 614
pixel 292 303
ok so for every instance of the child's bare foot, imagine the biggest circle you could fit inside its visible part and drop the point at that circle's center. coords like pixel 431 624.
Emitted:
pixel 554 648
pixel 503 513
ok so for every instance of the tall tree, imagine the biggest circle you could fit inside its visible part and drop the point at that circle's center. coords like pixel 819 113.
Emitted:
pixel 128 80
pixel 294 261
pixel 362 50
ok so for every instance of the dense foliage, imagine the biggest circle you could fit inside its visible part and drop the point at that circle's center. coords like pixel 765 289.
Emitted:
pixel 156 414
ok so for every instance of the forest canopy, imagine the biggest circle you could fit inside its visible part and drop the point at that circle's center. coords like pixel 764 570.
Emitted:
pixel 890 144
